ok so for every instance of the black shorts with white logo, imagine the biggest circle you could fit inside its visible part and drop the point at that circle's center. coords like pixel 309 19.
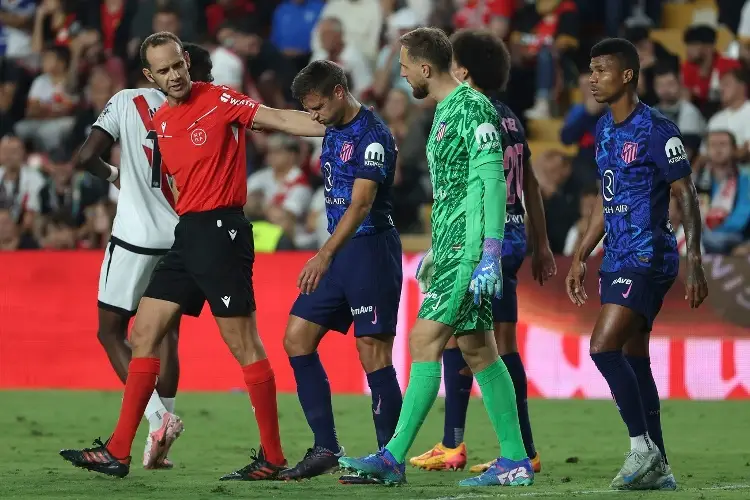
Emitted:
pixel 212 259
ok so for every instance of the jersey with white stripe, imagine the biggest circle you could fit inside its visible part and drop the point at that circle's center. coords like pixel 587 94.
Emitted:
pixel 145 208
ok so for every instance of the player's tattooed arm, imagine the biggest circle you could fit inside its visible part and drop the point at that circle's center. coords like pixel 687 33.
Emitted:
pixel 363 196
pixel 89 156
pixel 591 237
pixel 543 264
pixel 696 287
pixel 287 120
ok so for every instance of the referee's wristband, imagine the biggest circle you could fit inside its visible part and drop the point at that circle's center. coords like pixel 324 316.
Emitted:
pixel 114 173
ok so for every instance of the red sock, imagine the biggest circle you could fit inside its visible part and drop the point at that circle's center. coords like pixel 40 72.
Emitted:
pixel 139 386
pixel 261 384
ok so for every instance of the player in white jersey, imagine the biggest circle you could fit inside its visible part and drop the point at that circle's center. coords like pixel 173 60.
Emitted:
pixel 142 232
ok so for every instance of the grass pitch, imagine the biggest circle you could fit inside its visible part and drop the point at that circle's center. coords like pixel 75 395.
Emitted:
pixel 581 444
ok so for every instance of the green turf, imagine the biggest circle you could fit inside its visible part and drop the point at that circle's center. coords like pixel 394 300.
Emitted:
pixel 581 445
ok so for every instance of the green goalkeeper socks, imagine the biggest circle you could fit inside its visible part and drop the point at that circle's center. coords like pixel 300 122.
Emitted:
pixel 500 401
pixel 424 384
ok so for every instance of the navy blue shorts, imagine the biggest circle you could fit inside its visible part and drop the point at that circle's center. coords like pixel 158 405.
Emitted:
pixel 362 285
pixel 505 309
pixel 641 292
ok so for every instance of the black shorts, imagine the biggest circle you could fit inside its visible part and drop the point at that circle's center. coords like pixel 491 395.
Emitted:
pixel 212 259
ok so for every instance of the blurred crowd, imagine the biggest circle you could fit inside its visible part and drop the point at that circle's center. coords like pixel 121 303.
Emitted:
pixel 61 61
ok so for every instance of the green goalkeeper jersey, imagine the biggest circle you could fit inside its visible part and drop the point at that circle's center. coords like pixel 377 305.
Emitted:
pixel 463 138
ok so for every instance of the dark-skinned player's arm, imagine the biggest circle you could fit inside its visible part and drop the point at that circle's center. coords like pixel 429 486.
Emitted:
pixel 89 156
pixel 671 159
pixel 543 264
pixel 104 133
pixel 239 108
pixel 696 287
pixel 593 235
pixel 363 196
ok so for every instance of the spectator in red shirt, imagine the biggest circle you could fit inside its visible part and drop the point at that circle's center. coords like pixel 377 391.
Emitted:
pixel 704 67
pixel 543 33
pixel 493 14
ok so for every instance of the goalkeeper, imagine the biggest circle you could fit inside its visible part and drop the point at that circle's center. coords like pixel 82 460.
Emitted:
pixel 465 159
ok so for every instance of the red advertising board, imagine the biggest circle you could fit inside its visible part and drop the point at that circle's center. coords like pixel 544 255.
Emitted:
pixel 48 332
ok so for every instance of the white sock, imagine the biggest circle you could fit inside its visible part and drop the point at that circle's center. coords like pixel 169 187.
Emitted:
pixel 155 411
pixel 168 404
pixel 641 443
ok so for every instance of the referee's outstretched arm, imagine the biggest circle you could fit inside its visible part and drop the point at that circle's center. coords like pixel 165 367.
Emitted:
pixel 289 121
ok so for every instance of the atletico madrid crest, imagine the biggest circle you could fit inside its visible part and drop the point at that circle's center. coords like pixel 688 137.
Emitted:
pixel 440 132
pixel 347 149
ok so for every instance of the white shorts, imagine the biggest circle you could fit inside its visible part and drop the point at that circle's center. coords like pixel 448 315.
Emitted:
pixel 126 272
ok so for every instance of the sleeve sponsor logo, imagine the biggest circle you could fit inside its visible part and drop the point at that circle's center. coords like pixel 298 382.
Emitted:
pixel 225 97
pixel 375 155
pixel 487 137
pixel 675 150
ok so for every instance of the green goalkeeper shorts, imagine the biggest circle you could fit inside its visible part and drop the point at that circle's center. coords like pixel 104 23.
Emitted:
pixel 449 301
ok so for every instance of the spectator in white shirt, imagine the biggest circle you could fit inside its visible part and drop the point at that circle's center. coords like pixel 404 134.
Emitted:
pixel 735 114
pixel 49 111
pixel 280 193
pixel 345 54
pixel 20 185
pixel 362 22
pixel 682 112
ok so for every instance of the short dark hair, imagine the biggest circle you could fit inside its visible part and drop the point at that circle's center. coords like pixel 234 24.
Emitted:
pixel 431 45
pixel 61 52
pixel 484 55
pixel 622 50
pixel 320 77
pixel 157 40
pixel 168 8
pixel 740 74
pixel 727 132
pixel 699 33
pixel 665 68
pixel 200 63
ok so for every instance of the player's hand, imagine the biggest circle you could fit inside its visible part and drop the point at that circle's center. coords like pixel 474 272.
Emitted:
pixel 543 265
pixel 574 283
pixel 425 270
pixel 487 278
pixel 696 287
pixel 312 273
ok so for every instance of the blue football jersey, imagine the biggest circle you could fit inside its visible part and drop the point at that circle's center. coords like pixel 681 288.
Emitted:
pixel 637 160
pixel 515 153
pixel 362 149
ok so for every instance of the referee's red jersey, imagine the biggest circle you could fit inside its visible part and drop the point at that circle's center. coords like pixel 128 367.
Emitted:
pixel 202 144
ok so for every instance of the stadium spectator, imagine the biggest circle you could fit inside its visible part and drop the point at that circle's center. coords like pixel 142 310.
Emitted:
pixel 586 203
pixel 334 47
pixel 49 110
pixel 724 194
pixel 167 18
pixel 703 67
pixel 735 113
pixel 59 233
pixel 361 22
pixel 11 238
pixel 579 128
pixel 16 18
pixel 545 31
pixel 280 193
pixel 388 70
pixel 12 94
pixel 20 185
pixel 292 29
pixel 55 23
pixel 651 55
pixel 673 105
pixel 69 192
pixel 112 19
pixel 317 219
pixel 86 53
pixel 98 91
pixel 495 15
pixel 559 191
pixel 145 20
pixel 240 12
